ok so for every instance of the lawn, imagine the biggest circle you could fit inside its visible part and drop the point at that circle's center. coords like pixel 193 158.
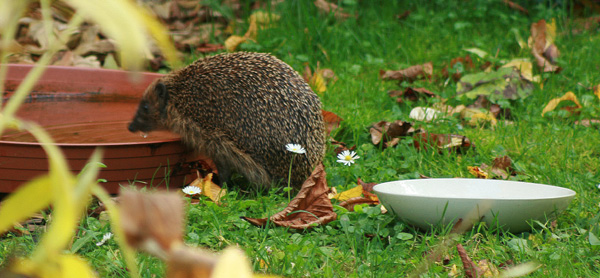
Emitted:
pixel 551 149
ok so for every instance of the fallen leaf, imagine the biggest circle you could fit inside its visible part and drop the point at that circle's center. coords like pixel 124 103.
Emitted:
pixel 478 173
pixel 328 8
pixel 352 202
pixel 388 133
pixel 209 188
pixel 409 74
pixel 471 270
pixel 152 220
pixel 482 54
pixel 505 83
pixel 452 142
pixel 589 123
pixel 487 269
pixel 208 47
pixel 457 67
pixel 478 117
pixel 569 96
pixel 349 194
pixel 411 94
pixel 310 207
pixel 525 67
pixel 368 189
pixel 516 7
pixel 597 91
pixel 542 45
pixel 341 146
pixel 331 120
pixel 403 15
pixel 233 42
pixel 424 114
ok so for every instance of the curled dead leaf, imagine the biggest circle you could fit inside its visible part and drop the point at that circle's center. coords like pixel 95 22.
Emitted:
pixel 409 74
pixel 310 207
pixel 388 132
pixel 471 269
pixel 152 221
pixel 568 96
pixel 451 142
pixel 352 202
pixel 332 121
pixel 516 7
pixel 542 39
pixel 411 94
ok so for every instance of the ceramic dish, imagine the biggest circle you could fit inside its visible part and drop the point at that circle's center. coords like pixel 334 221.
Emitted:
pixel 508 205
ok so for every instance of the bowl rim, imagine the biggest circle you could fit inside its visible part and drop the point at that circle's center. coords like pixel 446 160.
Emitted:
pixel 565 192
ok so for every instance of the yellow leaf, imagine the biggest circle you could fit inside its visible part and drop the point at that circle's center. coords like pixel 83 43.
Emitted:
pixel 210 189
pixel 317 82
pixel 524 66
pixel 480 118
pixel 233 263
pixel 554 102
pixel 233 42
pixel 477 172
pixel 597 91
pixel 60 266
pixel 350 193
pixel 550 33
pixel 28 199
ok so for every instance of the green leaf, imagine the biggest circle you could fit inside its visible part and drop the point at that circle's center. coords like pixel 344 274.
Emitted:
pixel 593 239
pixel 505 83
pixel 27 200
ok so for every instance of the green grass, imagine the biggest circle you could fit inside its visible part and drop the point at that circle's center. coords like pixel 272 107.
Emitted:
pixel 551 150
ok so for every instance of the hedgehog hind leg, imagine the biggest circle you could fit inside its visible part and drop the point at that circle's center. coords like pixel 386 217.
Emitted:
pixel 229 158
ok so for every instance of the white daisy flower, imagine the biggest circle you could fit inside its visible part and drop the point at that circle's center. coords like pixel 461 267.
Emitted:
pixel 191 190
pixel 295 148
pixel 347 157
pixel 106 237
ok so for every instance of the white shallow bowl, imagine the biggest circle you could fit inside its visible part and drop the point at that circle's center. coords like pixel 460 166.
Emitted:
pixel 508 205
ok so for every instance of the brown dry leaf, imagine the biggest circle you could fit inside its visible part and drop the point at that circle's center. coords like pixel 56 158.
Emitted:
pixel 368 189
pixel 186 262
pixel 388 133
pixel 403 15
pixel 478 172
pixel 409 74
pixel 542 45
pixel 341 146
pixel 310 207
pixel 569 96
pixel 471 270
pixel 466 62
pixel 452 142
pixel 502 166
pixel 327 8
pixel 350 203
pixel 332 121
pixel 411 94
pixel 152 220
pixel 208 47
pixel 516 6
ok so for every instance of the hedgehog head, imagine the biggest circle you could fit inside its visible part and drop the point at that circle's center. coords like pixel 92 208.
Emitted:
pixel 152 110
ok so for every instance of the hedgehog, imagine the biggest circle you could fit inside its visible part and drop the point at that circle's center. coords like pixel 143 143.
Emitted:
pixel 240 110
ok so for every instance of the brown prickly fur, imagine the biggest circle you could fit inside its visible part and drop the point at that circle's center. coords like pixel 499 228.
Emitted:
pixel 241 109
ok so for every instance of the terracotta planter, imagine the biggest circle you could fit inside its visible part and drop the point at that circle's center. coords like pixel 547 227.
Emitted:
pixel 84 109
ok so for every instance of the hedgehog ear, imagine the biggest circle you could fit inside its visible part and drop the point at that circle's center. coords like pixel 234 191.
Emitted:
pixel 163 95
